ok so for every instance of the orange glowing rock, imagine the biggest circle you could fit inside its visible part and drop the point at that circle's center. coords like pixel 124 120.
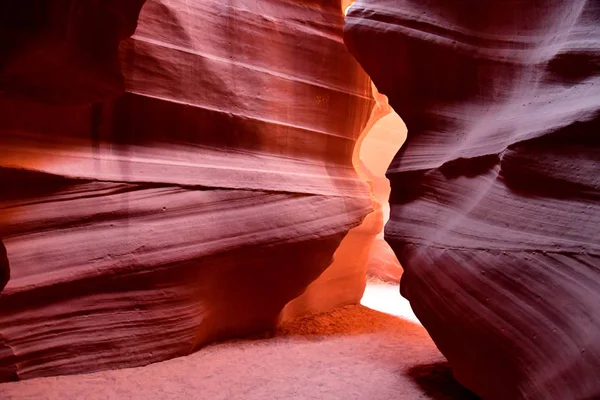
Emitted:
pixel 382 138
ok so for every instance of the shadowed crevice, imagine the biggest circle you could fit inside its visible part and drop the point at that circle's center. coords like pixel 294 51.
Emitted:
pixel 4 267
pixel 438 383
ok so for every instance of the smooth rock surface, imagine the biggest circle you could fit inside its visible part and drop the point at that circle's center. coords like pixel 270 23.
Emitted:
pixel 495 212
pixel 195 206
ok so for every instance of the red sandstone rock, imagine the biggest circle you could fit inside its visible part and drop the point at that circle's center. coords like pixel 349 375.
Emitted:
pixel 194 207
pixel 494 208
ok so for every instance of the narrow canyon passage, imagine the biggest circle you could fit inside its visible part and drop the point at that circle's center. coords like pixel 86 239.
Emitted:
pixel 383 136
pixel 193 196
pixel 352 352
pixel 377 350
pixel 363 250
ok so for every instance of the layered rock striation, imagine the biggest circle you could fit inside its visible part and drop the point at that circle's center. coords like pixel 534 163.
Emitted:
pixel 191 208
pixel 495 212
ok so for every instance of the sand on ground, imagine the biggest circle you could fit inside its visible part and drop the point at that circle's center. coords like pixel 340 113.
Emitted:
pixel 354 352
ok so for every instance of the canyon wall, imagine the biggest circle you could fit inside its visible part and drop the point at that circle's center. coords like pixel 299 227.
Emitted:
pixel 194 206
pixel 495 212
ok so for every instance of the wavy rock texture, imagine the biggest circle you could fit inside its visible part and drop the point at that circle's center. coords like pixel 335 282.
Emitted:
pixel 194 207
pixel 494 207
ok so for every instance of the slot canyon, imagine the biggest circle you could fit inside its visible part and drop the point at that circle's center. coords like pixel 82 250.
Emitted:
pixel 193 196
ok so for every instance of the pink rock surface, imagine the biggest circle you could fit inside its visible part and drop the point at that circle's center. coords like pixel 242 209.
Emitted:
pixel 195 206
pixel 494 207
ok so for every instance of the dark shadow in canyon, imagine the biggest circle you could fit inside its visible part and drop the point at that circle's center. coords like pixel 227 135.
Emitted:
pixel 572 67
pixel 469 167
pixel 8 370
pixel 63 52
pixel 560 165
pixel 23 185
pixel 438 383
pixel 4 266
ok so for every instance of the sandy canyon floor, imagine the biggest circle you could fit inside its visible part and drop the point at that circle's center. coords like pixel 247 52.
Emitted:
pixel 354 352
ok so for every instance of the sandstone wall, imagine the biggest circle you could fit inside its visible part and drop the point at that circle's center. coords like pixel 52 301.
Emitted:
pixel 494 207
pixel 193 207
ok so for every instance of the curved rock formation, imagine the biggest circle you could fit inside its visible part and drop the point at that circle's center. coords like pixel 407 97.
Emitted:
pixel 495 214
pixel 194 207
pixel 344 281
